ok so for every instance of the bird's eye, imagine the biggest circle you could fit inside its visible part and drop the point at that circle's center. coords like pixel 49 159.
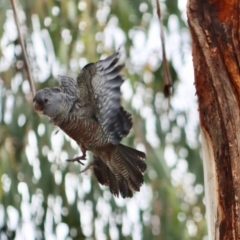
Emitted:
pixel 45 100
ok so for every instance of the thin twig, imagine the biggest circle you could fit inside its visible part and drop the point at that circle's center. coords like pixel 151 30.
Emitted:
pixel 25 58
pixel 167 75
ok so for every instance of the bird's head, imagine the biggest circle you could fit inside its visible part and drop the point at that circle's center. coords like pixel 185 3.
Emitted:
pixel 53 102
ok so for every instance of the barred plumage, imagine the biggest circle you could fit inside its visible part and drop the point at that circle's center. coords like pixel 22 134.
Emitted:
pixel 89 111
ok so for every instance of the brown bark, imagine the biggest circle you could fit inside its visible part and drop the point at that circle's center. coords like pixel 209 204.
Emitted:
pixel 215 31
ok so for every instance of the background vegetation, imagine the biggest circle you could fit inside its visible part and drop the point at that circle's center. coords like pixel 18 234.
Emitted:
pixel 44 197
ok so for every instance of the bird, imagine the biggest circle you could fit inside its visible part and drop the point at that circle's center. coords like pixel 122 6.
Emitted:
pixel 89 111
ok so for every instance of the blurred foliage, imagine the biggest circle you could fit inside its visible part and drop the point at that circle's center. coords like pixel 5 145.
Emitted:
pixel 43 197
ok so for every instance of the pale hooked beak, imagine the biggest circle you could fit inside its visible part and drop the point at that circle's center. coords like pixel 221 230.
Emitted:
pixel 39 102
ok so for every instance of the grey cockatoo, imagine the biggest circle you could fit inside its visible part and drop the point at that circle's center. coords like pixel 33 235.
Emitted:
pixel 89 111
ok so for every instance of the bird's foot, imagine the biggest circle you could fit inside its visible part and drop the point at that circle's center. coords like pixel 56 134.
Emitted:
pixel 86 168
pixel 78 159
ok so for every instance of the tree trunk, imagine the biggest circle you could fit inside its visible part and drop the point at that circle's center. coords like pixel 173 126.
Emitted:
pixel 215 31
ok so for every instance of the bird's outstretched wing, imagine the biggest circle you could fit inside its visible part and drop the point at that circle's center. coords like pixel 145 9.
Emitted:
pixel 99 84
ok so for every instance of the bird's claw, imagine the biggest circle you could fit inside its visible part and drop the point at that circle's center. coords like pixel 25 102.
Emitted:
pixel 78 159
pixel 86 168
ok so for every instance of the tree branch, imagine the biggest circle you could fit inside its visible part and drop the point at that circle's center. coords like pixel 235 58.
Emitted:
pixel 25 58
pixel 167 75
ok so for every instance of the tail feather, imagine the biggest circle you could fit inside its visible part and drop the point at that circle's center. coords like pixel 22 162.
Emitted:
pixel 100 170
pixel 123 173
pixel 134 157
pixel 105 177
pixel 122 168
pixel 125 190
pixel 129 163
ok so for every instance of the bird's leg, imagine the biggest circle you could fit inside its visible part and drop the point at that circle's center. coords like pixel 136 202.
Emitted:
pixel 86 168
pixel 78 159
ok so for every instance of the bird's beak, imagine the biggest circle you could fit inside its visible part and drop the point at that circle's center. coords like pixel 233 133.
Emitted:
pixel 37 107
pixel 38 103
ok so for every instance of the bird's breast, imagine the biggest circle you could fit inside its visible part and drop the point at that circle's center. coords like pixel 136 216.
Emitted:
pixel 85 132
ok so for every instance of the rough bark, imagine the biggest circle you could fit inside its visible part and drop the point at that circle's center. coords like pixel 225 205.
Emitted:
pixel 215 31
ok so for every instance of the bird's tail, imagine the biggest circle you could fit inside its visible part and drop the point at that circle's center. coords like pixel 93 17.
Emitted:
pixel 124 173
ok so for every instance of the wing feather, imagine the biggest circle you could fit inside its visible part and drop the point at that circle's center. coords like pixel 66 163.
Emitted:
pixel 105 80
pixel 68 85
